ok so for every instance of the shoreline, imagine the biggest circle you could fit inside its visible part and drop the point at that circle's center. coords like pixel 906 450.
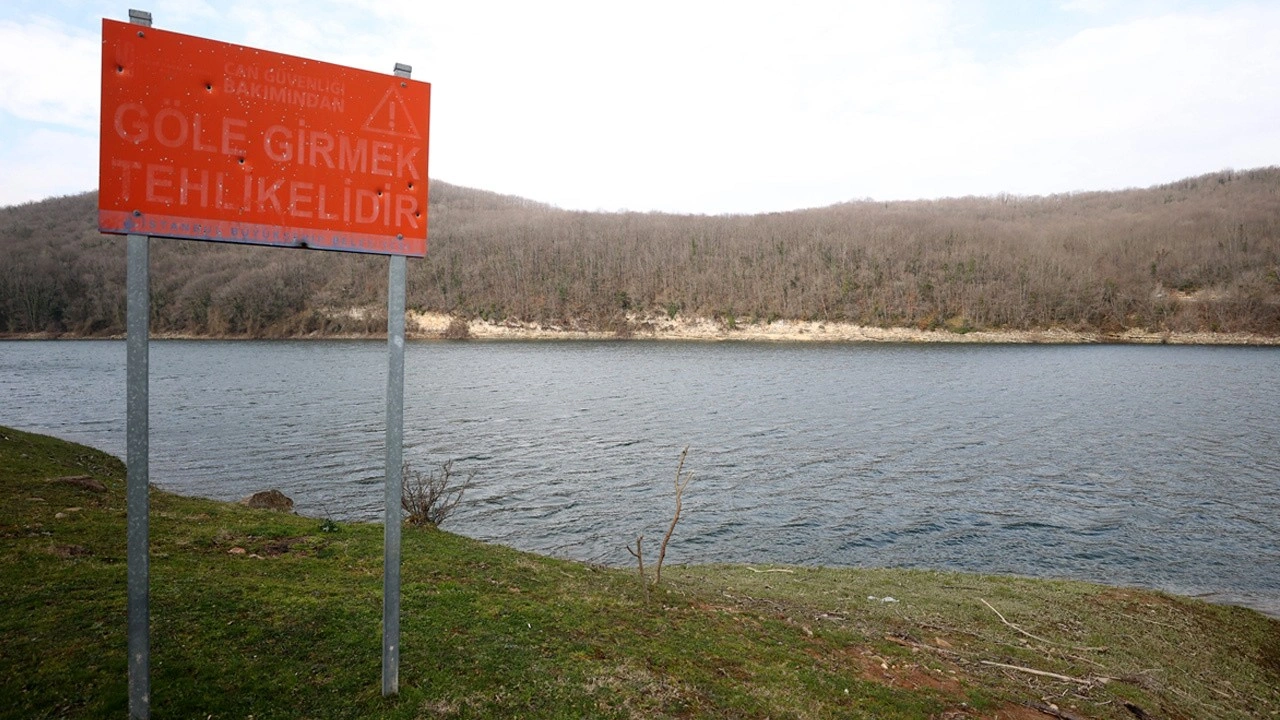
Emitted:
pixel 1267 605
pixel 894 642
pixel 436 326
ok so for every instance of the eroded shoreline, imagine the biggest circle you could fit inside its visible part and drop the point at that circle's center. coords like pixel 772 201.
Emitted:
pixel 436 326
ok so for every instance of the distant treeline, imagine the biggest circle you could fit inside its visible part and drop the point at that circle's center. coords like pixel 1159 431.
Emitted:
pixel 1201 254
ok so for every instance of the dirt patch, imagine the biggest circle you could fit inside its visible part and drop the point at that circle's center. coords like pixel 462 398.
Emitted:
pixel 259 547
pixel 84 482
pixel 909 676
pixel 68 552
pixel 281 546
pixel 947 683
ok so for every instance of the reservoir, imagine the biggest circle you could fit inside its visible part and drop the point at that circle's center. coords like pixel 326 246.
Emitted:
pixel 1156 466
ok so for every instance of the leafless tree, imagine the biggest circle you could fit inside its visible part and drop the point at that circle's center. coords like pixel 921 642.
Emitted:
pixel 1194 255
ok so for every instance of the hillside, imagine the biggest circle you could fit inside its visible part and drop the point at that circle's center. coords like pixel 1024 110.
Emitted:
pixel 1198 255
pixel 261 614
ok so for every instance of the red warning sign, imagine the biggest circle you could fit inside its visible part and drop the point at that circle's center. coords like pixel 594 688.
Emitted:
pixel 204 140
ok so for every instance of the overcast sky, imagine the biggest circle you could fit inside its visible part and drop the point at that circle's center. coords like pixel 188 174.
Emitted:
pixel 717 107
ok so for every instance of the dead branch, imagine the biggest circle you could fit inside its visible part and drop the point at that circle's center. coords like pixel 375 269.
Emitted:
pixel 1137 711
pixel 680 486
pixel 638 554
pixel 1036 637
pixel 1045 673
pixel 429 499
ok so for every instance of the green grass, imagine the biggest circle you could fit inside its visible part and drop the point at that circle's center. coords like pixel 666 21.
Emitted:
pixel 290 628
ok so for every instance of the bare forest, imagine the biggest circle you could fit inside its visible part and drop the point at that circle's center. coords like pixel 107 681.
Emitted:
pixel 1197 255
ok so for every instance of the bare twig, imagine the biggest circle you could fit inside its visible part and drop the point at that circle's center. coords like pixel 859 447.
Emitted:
pixel 1015 627
pixel 780 570
pixel 1080 658
pixel 680 486
pixel 638 554
pixel 428 499
pixel 1036 637
pixel 1033 671
pixel 1045 673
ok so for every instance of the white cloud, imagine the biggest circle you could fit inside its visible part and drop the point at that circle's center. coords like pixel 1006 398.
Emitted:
pixel 51 73
pixel 1092 7
pixel 45 162
pixel 656 107
pixel 748 106
pixel 1144 101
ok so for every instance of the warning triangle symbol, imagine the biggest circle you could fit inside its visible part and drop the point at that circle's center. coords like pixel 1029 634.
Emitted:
pixel 391 116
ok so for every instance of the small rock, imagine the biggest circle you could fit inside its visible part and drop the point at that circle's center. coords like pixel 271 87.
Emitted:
pixel 269 500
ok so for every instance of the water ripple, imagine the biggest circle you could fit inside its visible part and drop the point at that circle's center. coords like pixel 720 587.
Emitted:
pixel 1155 466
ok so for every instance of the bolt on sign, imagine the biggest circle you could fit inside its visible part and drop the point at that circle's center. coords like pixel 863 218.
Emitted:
pixel 204 140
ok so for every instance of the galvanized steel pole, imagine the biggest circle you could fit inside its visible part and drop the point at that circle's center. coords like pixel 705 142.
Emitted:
pixel 137 449
pixel 395 458
pixel 395 455
pixel 138 325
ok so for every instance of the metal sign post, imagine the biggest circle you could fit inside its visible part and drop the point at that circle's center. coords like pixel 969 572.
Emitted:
pixel 336 161
pixel 391 521
pixel 395 467
pixel 137 443
pixel 138 505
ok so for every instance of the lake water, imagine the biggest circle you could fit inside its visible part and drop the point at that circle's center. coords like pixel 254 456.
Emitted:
pixel 1132 465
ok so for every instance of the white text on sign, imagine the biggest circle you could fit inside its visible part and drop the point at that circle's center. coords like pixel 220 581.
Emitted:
pixel 300 145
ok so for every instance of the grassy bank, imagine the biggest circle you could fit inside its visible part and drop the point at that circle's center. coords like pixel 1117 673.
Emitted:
pixel 267 615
